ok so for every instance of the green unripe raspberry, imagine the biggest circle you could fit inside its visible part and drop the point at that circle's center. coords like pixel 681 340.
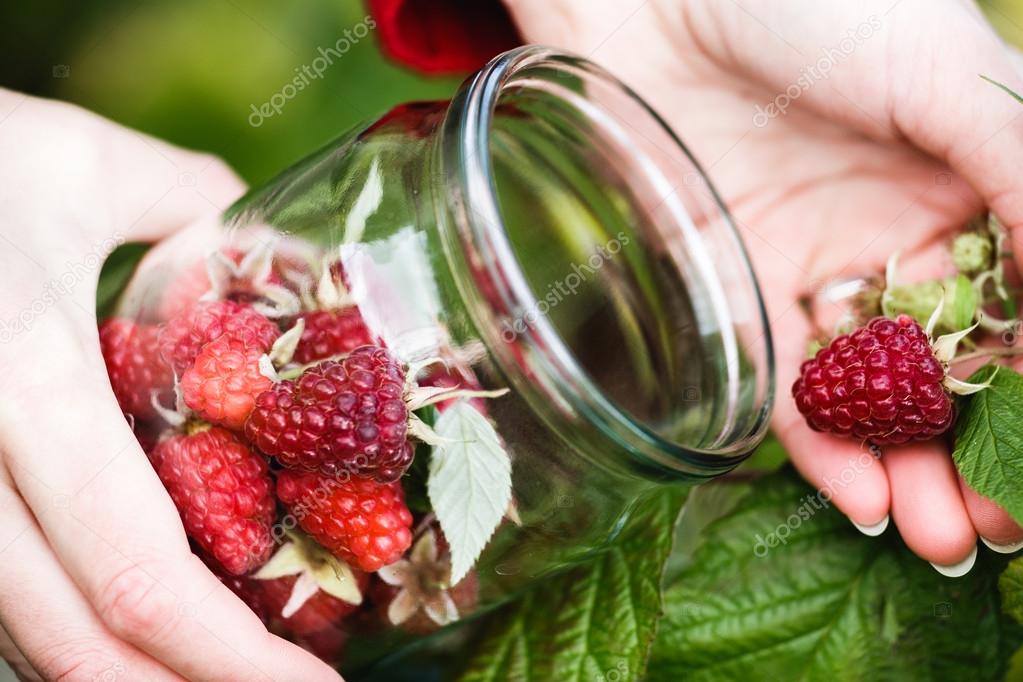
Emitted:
pixel 918 300
pixel 971 252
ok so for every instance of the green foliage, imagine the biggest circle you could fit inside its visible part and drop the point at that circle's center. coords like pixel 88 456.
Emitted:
pixel 592 623
pixel 113 278
pixel 989 439
pixel 920 299
pixel 1011 586
pixel 964 302
pixel 827 603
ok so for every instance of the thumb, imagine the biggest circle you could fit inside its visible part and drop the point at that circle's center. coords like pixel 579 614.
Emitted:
pixel 970 115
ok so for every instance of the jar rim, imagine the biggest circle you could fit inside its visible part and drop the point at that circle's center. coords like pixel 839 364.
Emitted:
pixel 465 158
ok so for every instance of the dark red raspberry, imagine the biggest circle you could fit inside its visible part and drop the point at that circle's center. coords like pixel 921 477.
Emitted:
pixel 881 384
pixel 134 365
pixel 185 335
pixel 344 417
pixel 224 493
pixel 331 332
pixel 361 521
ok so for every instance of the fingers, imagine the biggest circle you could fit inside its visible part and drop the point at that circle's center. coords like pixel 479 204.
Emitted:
pixel 996 528
pixel 118 536
pixel 17 662
pixel 116 182
pixel 50 628
pixel 855 481
pixel 851 476
pixel 928 508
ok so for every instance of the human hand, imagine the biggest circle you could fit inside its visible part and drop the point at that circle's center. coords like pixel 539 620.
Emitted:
pixel 98 580
pixel 891 144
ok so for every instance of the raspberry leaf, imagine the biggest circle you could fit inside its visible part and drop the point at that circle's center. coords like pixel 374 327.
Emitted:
pixel 470 483
pixel 989 439
pixel 784 588
pixel 593 622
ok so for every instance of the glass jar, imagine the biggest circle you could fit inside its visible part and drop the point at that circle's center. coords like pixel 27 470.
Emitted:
pixel 543 232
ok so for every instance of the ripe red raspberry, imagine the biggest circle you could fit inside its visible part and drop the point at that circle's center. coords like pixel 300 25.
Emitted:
pixel 223 491
pixel 134 365
pixel 184 336
pixel 881 384
pixel 331 332
pixel 361 521
pixel 339 417
pixel 222 385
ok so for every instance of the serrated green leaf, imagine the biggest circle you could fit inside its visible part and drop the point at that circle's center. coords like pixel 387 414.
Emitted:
pixel 964 302
pixel 989 439
pixel 823 602
pixel 470 483
pixel 591 623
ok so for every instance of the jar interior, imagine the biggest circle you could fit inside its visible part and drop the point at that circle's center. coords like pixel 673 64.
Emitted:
pixel 634 271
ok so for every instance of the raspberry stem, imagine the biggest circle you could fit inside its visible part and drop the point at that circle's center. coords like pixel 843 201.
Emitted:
pixel 295 372
pixel 1011 351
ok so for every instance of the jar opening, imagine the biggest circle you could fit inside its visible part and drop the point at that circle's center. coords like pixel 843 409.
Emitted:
pixel 605 271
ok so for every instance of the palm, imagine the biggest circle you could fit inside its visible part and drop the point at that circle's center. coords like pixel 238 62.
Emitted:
pixel 830 189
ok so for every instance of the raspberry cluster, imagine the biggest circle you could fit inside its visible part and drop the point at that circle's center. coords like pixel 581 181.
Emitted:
pixel 281 428
pixel 244 424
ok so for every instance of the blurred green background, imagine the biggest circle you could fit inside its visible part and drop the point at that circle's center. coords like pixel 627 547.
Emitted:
pixel 190 71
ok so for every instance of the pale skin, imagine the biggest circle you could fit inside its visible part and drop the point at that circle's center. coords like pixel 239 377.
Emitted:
pixel 96 570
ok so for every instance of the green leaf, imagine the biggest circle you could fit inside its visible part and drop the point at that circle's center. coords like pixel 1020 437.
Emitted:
pixel 113 278
pixel 1011 586
pixel 784 588
pixel 593 623
pixel 470 483
pixel 964 302
pixel 989 439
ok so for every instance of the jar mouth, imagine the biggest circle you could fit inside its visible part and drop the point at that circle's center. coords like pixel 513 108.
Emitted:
pixel 709 334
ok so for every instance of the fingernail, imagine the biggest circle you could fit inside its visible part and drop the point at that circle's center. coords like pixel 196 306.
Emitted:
pixel 960 569
pixel 875 530
pixel 1003 549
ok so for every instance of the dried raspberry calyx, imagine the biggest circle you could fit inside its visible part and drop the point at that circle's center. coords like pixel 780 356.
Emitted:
pixel 316 568
pixel 424 582
pixel 255 270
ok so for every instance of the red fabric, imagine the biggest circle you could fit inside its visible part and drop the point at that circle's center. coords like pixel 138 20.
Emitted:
pixel 443 36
